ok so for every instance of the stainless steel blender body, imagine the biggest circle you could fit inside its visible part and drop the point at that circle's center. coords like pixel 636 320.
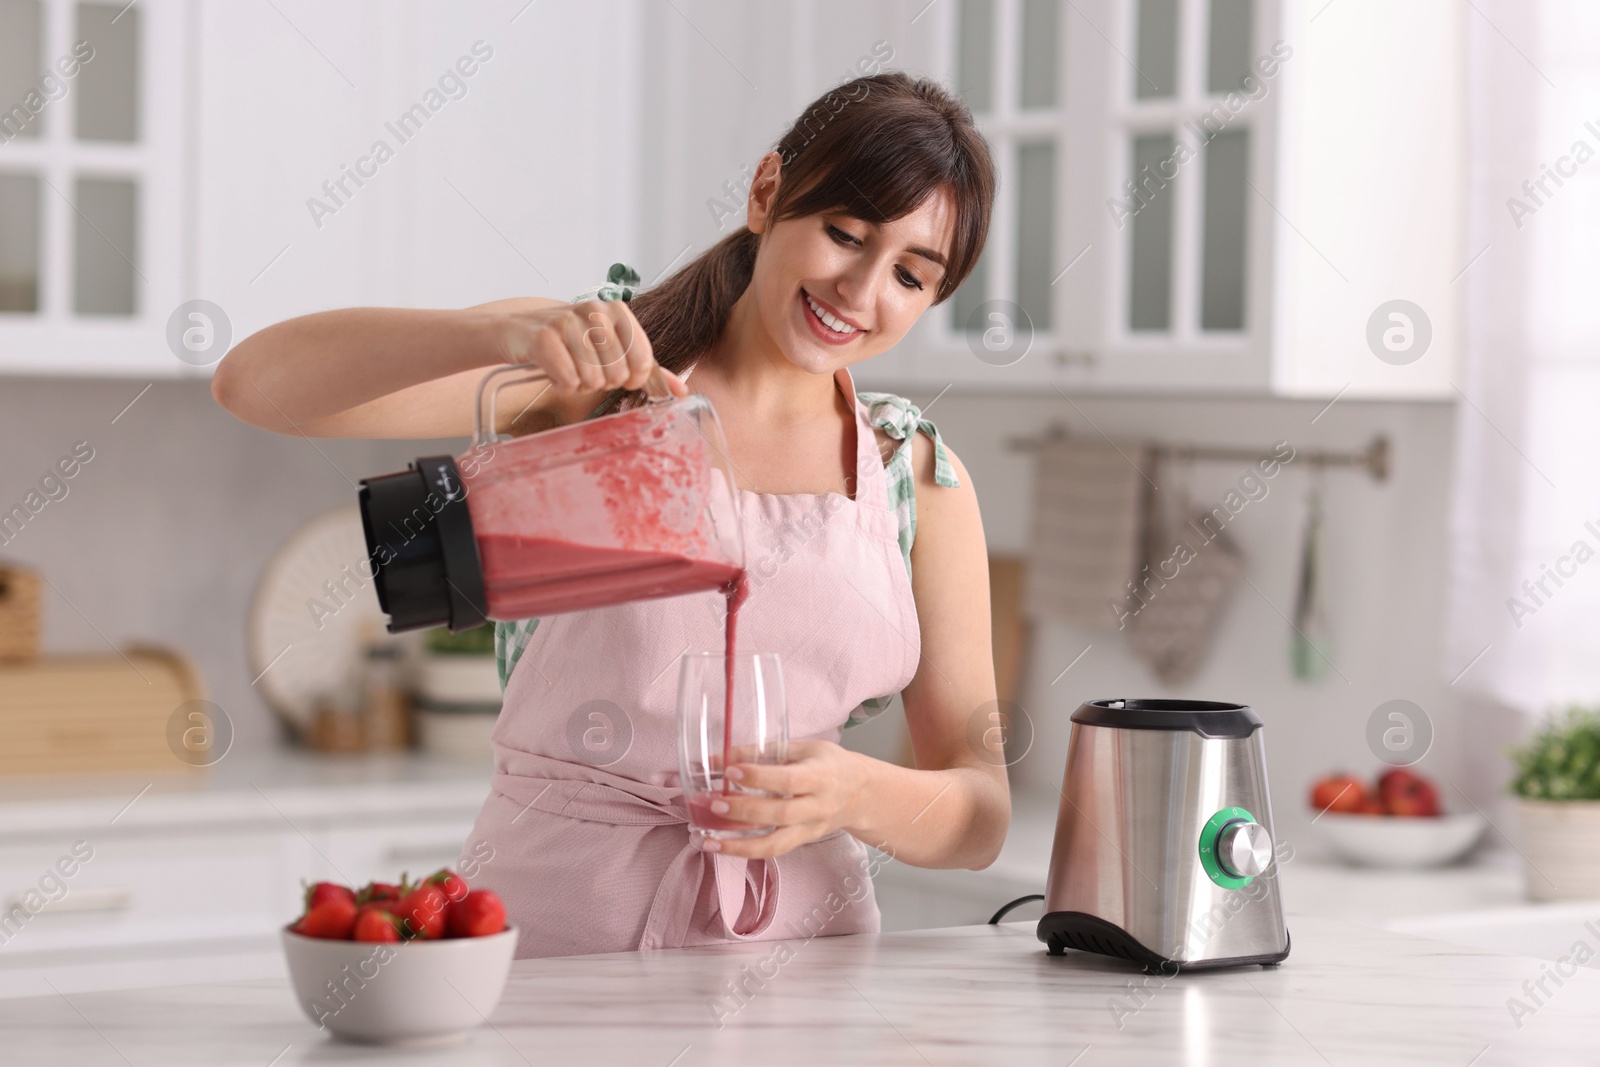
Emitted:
pixel 1164 853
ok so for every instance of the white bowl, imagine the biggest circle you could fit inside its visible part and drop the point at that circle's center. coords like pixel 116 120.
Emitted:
pixel 458 678
pixel 456 735
pixel 1401 840
pixel 414 993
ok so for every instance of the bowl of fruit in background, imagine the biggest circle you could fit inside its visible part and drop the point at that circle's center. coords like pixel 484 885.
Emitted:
pixel 1394 822
pixel 413 964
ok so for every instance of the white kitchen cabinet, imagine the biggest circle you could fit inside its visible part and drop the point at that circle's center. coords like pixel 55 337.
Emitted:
pixel 434 155
pixel 364 851
pixel 93 183
pixel 421 154
pixel 194 877
pixel 1373 177
pixel 254 177
pixel 145 890
pixel 1259 243
pixel 723 82
pixel 296 156
pixel 920 898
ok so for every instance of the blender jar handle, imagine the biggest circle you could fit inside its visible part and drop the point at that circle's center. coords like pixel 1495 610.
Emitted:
pixel 483 422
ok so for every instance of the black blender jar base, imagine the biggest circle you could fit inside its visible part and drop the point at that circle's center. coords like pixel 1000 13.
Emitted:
pixel 423 552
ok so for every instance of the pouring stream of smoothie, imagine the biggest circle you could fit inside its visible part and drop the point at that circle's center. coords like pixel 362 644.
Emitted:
pixel 737 592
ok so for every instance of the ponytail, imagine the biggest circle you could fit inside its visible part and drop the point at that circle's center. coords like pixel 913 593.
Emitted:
pixel 685 315
pixel 874 149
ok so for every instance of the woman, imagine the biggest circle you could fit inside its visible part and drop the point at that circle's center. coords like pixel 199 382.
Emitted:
pixel 863 540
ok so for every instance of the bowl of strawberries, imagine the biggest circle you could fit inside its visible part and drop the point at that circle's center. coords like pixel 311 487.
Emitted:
pixel 407 963
pixel 1397 821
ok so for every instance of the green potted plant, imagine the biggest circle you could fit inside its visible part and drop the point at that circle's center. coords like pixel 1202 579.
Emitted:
pixel 1558 789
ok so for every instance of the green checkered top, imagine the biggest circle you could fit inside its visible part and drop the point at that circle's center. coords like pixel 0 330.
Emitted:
pixel 895 415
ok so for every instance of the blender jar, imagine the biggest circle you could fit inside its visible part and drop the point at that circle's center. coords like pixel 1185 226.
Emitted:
pixel 630 506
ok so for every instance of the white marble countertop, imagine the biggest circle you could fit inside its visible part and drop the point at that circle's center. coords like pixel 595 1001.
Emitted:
pixel 965 995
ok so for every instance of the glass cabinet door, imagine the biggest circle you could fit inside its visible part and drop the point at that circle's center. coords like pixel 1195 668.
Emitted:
pixel 1185 127
pixel 91 182
pixel 1009 68
pixel 1130 228
pixel 21 56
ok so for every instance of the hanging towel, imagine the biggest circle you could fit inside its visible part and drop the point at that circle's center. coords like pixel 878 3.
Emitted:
pixel 1087 509
pixel 1190 570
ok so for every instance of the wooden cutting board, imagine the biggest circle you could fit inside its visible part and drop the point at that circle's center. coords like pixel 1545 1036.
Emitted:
pixel 70 714
pixel 1007 623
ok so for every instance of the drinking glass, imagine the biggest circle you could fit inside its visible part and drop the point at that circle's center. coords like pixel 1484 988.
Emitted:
pixel 759 731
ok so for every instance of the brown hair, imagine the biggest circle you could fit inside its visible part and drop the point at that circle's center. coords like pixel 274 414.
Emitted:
pixel 873 148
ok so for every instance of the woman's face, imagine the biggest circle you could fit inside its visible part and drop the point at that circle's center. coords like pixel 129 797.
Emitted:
pixel 875 277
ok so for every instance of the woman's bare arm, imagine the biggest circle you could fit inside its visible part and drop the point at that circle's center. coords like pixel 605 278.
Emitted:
pixel 413 373
pixel 953 810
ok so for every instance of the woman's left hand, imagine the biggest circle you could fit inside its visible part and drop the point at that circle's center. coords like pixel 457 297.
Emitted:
pixel 821 787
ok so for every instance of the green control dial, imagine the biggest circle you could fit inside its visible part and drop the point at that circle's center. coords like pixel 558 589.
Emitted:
pixel 1208 847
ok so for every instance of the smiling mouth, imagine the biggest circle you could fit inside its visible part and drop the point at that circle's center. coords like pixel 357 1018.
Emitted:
pixel 829 323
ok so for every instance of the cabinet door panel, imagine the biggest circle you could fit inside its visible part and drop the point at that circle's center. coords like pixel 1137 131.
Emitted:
pixel 139 889
pixel 93 189
pixel 293 96
pixel 1373 163
pixel 383 850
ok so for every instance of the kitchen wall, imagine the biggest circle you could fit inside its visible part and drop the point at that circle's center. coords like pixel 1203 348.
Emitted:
pixel 163 534
pixel 165 531
pixel 1384 565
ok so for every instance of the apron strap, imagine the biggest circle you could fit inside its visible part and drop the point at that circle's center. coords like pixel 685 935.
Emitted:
pixel 739 881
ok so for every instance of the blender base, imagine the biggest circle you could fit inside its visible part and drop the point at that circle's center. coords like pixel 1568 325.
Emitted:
pixel 1061 930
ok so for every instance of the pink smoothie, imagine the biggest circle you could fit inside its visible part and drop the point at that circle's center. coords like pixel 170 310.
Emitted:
pixel 700 811
pixel 738 591
pixel 526 577
pixel 601 512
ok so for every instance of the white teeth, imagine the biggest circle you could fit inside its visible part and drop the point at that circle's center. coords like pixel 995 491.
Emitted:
pixel 836 325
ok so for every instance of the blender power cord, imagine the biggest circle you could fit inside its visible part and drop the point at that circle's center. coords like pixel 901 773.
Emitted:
pixel 1001 914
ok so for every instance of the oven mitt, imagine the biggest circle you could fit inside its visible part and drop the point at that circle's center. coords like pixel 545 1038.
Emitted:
pixel 1187 584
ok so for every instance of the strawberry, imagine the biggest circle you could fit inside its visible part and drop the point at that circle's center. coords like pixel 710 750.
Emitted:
pixel 478 914
pixel 332 918
pixel 454 886
pixel 422 912
pixel 374 923
pixel 375 891
pixel 322 891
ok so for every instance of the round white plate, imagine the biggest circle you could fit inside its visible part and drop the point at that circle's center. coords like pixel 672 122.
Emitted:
pixel 313 610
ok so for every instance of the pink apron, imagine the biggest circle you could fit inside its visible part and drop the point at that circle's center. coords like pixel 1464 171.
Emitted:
pixel 591 847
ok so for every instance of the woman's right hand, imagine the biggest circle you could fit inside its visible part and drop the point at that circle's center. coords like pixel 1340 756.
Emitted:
pixel 593 344
pixel 415 372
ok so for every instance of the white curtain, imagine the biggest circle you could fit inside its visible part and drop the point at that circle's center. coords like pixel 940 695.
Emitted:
pixel 1525 539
